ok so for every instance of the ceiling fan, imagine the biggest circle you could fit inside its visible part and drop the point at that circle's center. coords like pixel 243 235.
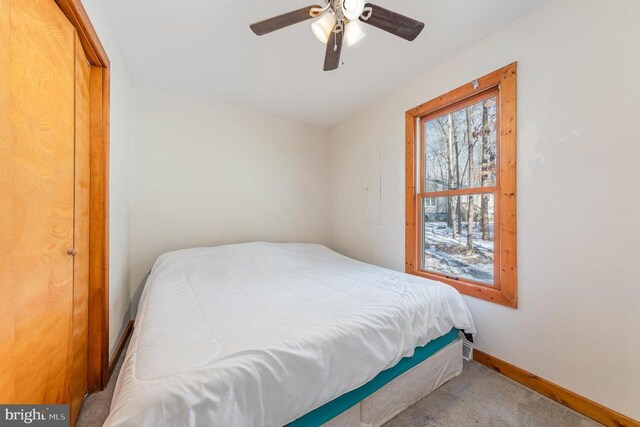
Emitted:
pixel 338 22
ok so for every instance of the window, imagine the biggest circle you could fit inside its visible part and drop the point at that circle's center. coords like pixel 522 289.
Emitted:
pixel 461 188
pixel 430 202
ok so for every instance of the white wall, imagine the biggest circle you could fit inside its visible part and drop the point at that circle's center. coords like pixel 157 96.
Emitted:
pixel 120 158
pixel 578 165
pixel 209 174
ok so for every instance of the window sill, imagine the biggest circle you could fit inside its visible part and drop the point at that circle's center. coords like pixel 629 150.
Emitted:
pixel 487 293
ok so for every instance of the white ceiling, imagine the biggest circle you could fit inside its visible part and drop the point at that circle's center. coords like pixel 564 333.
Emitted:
pixel 205 48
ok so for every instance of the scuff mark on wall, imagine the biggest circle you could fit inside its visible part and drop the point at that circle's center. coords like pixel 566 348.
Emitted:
pixel 527 149
pixel 371 188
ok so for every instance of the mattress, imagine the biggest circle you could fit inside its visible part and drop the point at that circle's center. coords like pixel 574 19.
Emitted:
pixel 260 334
pixel 403 391
pixel 342 403
pixel 411 386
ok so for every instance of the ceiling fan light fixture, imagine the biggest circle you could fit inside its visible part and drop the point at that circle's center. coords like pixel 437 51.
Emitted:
pixel 352 9
pixel 322 27
pixel 353 33
pixel 338 20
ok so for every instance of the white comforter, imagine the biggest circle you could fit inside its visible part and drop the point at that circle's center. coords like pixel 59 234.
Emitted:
pixel 259 334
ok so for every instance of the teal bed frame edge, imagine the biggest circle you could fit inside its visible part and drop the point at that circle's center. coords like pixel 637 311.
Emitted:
pixel 342 403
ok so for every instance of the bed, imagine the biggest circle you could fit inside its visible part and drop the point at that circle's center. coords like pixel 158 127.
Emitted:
pixel 265 334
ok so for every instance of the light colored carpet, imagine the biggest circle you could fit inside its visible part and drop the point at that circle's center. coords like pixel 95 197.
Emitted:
pixel 483 397
pixel 478 397
pixel 95 408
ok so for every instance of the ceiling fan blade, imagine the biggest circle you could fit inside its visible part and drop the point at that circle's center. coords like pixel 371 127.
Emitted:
pixel 392 22
pixel 334 49
pixel 281 21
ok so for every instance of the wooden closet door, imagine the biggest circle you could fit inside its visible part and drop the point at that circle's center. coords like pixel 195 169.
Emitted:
pixel 37 156
pixel 81 232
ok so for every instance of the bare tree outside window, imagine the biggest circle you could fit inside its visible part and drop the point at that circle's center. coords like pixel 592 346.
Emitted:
pixel 460 154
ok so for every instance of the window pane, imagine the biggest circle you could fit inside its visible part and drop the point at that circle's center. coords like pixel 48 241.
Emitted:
pixel 460 148
pixel 448 246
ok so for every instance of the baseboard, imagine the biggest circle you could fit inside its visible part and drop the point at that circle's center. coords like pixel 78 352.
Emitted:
pixel 120 347
pixel 580 404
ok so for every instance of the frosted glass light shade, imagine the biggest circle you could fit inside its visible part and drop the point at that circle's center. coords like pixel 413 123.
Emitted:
pixel 322 27
pixel 352 9
pixel 354 33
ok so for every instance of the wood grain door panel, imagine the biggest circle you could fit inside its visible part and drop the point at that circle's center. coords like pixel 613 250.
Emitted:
pixel 37 155
pixel 81 231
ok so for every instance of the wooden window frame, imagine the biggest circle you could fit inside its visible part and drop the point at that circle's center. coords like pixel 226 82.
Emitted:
pixel 501 83
pixel 99 89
